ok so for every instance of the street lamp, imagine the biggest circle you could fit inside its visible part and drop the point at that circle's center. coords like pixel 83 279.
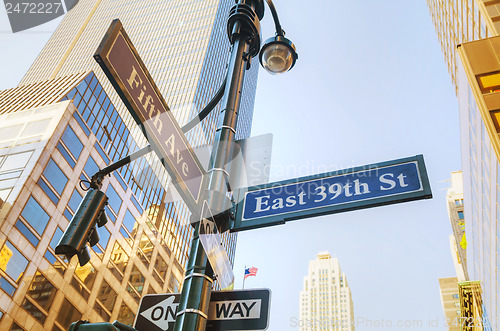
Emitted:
pixel 278 55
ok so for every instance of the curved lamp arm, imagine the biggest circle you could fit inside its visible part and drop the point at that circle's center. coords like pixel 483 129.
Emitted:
pixel 279 30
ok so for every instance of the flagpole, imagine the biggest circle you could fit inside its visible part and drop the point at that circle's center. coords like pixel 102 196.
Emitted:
pixel 244 270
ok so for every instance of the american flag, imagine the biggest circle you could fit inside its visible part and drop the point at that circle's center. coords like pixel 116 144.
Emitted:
pixel 250 272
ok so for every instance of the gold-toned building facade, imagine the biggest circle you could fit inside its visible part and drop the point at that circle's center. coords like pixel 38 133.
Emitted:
pixel 64 122
pixel 475 25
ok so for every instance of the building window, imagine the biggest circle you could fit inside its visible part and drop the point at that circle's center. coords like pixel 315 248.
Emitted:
pixel 107 298
pixel 13 162
pixel 90 168
pixel 160 270
pixel 145 250
pixel 125 315
pixel 14 266
pixel 41 291
pixel 15 327
pixel 460 215
pixel 35 216
pixel 114 202
pixel 57 180
pixel 104 236
pixel 118 261
pixel 68 314
pixel 135 284
pixel 173 284
pixel 75 200
pixel 55 239
pixel 83 279
pixel 71 141
pixel 27 233
pixel 129 223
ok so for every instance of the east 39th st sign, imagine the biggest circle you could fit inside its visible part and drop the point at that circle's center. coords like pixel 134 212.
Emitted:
pixel 356 188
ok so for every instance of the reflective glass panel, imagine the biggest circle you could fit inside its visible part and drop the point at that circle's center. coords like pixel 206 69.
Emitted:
pixel 10 132
pixel 15 327
pixel 90 167
pixel 161 267
pixel 75 200
pixel 129 222
pixel 68 314
pixel 107 296
pixel 137 279
pixel 114 201
pixel 27 233
pixel 125 315
pixel 14 262
pixel 70 139
pixel 55 239
pixel 34 311
pixel 119 257
pixel 86 275
pixel 55 176
pixel 35 128
pixel 16 161
pixel 42 291
pixel 35 215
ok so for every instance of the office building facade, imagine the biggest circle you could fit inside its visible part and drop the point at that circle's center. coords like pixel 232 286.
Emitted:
pixel 474 25
pixel 450 300
pixel 326 300
pixel 63 123
pixel 458 240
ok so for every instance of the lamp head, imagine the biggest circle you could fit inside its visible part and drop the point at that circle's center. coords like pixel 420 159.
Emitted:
pixel 278 55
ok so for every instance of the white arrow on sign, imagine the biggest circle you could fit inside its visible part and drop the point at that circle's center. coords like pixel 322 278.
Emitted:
pixel 162 313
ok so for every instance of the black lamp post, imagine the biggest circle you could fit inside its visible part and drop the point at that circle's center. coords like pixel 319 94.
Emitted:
pixel 277 56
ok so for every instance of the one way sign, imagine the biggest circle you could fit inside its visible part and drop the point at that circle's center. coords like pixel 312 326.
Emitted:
pixel 228 310
pixel 157 312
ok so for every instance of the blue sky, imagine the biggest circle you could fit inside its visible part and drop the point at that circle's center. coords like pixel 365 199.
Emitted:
pixel 370 85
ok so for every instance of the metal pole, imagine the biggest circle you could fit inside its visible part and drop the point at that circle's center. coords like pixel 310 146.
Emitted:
pixel 195 296
pixel 244 274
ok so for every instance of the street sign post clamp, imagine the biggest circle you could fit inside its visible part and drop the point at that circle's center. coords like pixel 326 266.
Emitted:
pixel 226 127
pixel 196 274
pixel 219 169
pixel 192 311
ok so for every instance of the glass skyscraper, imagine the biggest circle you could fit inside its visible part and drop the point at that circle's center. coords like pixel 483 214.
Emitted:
pixel 64 122
pixel 474 66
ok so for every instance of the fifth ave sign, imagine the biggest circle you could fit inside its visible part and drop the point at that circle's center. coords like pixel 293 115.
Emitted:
pixel 338 191
pixel 124 68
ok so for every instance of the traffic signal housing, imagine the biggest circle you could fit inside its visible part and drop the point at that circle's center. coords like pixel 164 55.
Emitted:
pixel 83 227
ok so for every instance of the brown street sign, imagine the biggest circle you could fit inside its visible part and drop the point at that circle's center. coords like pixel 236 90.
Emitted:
pixel 123 66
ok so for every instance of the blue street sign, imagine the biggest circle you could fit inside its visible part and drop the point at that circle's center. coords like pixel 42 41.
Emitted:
pixel 333 192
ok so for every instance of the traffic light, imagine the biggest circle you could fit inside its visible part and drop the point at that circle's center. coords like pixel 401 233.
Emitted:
pixel 82 228
pixel 87 326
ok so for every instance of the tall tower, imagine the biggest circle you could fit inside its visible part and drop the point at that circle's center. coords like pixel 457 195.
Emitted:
pixel 325 301
pixel 64 122
pixel 184 45
pixel 468 32
pixel 458 240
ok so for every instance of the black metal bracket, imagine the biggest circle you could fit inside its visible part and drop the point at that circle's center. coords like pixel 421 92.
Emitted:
pixel 244 21
pixel 97 178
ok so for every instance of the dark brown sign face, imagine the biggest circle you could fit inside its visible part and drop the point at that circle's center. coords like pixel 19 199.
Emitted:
pixel 128 74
